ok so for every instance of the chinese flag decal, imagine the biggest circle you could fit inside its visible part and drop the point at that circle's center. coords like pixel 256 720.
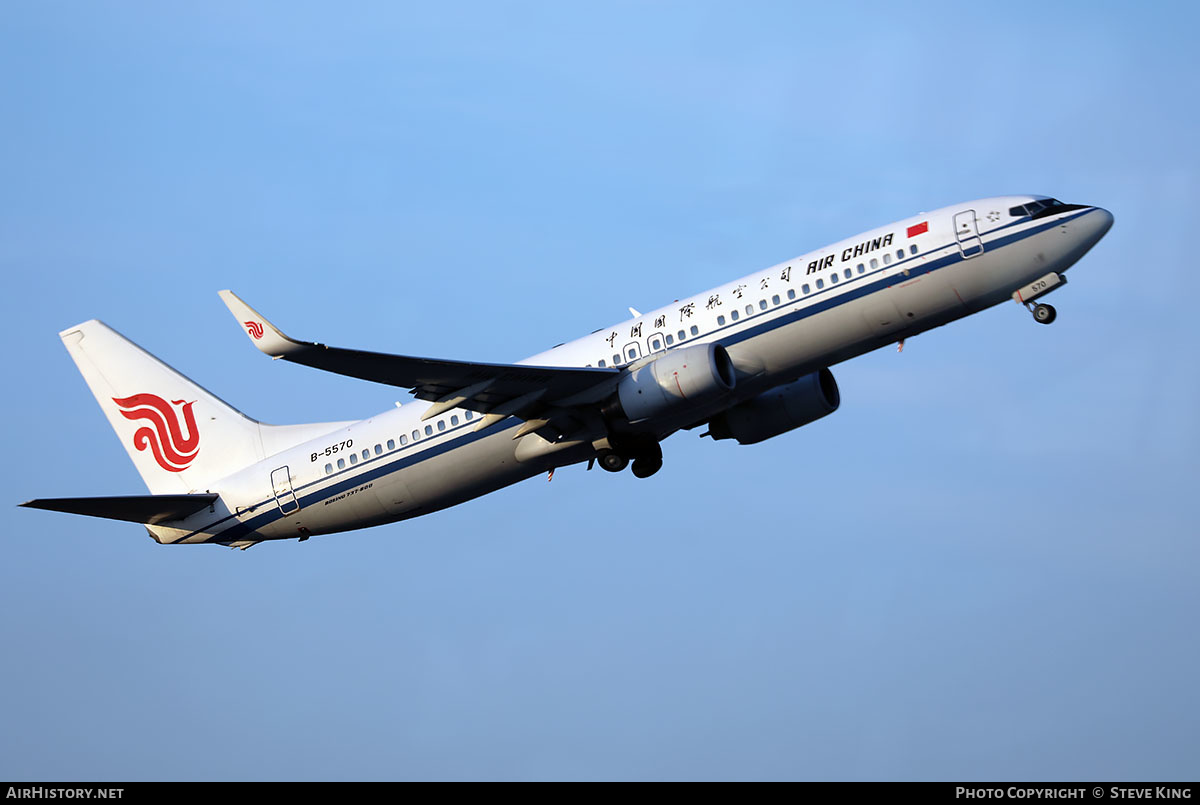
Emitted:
pixel 918 229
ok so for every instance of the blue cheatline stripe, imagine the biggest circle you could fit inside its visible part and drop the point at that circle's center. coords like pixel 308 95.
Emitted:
pixel 402 460
pixel 381 467
pixel 861 289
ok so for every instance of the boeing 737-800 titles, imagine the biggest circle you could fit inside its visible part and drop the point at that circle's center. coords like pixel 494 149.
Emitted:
pixel 748 360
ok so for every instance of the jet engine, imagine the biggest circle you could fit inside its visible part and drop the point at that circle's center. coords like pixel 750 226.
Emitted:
pixel 676 381
pixel 779 410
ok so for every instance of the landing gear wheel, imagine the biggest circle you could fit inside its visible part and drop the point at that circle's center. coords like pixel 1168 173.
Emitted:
pixel 1044 314
pixel 647 466
pixel 612 462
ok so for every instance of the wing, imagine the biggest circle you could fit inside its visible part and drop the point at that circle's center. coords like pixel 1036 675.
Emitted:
pixel 537 394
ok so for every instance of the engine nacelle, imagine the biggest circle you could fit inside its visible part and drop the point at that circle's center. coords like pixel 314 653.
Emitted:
pixel 678 380
pixel 779 410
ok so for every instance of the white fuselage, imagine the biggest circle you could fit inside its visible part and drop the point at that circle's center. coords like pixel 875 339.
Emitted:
pixel 777 325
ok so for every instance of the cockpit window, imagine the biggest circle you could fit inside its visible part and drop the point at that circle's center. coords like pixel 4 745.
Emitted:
pixel 1034 207
pixel 1042 208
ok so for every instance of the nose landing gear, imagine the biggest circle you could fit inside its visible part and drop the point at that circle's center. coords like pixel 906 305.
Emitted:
pixel 1027 296
pixel 1044 314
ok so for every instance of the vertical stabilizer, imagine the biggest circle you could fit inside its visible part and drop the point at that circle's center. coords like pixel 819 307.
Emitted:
pixel 180 436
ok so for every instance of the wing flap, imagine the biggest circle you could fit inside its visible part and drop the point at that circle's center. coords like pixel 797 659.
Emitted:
pixel 146 509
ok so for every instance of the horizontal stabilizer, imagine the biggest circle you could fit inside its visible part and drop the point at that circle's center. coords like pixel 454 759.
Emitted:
pixel 146 509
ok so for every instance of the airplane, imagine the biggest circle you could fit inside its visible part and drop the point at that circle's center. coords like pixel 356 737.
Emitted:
pixel 749 360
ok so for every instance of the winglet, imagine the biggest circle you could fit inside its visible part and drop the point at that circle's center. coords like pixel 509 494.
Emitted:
pixel 264 335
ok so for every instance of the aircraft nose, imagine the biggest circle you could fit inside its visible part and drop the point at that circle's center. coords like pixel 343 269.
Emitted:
pixel 1100 221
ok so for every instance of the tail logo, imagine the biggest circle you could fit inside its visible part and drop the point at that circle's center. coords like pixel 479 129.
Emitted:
pixel 254 328
pixel 163 436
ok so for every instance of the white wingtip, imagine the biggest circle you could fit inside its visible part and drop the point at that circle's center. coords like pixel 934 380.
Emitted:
pixel 264 335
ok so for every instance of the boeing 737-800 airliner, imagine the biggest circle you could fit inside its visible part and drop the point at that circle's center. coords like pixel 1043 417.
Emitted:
pixel 749 360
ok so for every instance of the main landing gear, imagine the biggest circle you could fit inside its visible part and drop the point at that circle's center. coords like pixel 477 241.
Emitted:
pixel 612 461
pixel 646 457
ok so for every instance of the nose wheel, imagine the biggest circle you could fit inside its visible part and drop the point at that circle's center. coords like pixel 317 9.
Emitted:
pixel 1044 314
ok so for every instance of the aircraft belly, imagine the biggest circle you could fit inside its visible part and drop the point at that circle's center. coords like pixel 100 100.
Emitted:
pixel 785 349
pixel 921 298
pixel 474 469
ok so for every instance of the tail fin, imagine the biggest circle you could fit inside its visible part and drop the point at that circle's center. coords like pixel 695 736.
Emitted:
pixel 180 436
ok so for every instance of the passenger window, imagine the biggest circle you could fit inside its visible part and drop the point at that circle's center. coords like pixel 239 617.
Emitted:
pixel 631 353
pixel 861 268
pixel 775 299
pixel 429 430
pixel 441 424
pixel 833 277
pixel 791 293
pixel 416 435
pixel 454 419
pixel 467 416
pixel 762 304
pixel 353 458
pixel 391 444
pixel 656 344
pixel 887 259
pixel 720 321
pixel 874 263
pixel 403 440
pixel 341 463
pixel 912 249
pixel 682 335
pixel 366 455
pixel 328 468
pixel 616 360
pixel 900 254
pixel 733 314
pixel 749 310
pixel 820 284
pixel 670 340
pixel 603 364
pixel 695 330
pixel 379 450
pixel 846 273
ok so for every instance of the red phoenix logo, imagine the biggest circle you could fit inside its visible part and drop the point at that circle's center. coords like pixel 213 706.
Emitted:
pixel 254 328
pixel 171 449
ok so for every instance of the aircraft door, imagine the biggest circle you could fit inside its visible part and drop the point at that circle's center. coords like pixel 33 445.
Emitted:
pixel 632 351
pixel 281 484
pixel 966 231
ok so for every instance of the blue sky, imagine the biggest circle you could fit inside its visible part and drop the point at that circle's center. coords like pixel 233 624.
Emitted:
pixel 982 567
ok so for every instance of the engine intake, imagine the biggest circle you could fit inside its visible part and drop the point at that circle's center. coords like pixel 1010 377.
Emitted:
pixel 679 380
pixel 779 410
